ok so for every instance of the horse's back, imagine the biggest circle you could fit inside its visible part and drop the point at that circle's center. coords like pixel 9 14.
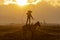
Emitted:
pixel 26 27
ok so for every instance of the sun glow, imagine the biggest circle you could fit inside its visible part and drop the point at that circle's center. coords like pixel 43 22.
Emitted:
pixel 54 3
pixel 21 2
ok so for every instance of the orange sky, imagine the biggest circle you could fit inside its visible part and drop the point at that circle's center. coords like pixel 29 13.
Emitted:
pixel 16 14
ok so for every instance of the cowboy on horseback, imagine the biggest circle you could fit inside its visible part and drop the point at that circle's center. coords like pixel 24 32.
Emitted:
pixel 29 16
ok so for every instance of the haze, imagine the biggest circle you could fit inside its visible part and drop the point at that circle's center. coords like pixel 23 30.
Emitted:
pixel 41 11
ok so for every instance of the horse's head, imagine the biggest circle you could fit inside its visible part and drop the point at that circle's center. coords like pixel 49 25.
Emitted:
pixel 37 23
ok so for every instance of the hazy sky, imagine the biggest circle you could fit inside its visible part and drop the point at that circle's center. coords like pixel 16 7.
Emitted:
pixel 17 14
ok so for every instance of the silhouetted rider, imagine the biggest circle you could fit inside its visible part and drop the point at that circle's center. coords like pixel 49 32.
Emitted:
pixel 29 16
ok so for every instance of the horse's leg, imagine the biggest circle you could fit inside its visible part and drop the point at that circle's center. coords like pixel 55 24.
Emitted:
pixel 24 32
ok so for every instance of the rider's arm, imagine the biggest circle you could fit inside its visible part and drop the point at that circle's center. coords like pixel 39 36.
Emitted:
pixel 32 17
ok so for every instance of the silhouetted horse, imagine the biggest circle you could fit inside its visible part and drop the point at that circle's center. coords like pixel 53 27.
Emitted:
pixel 31 27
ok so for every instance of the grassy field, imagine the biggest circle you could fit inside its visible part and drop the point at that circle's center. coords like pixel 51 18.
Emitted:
pixel 15 32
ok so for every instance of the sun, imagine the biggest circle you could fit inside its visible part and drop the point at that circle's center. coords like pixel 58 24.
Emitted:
pixel 21 2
